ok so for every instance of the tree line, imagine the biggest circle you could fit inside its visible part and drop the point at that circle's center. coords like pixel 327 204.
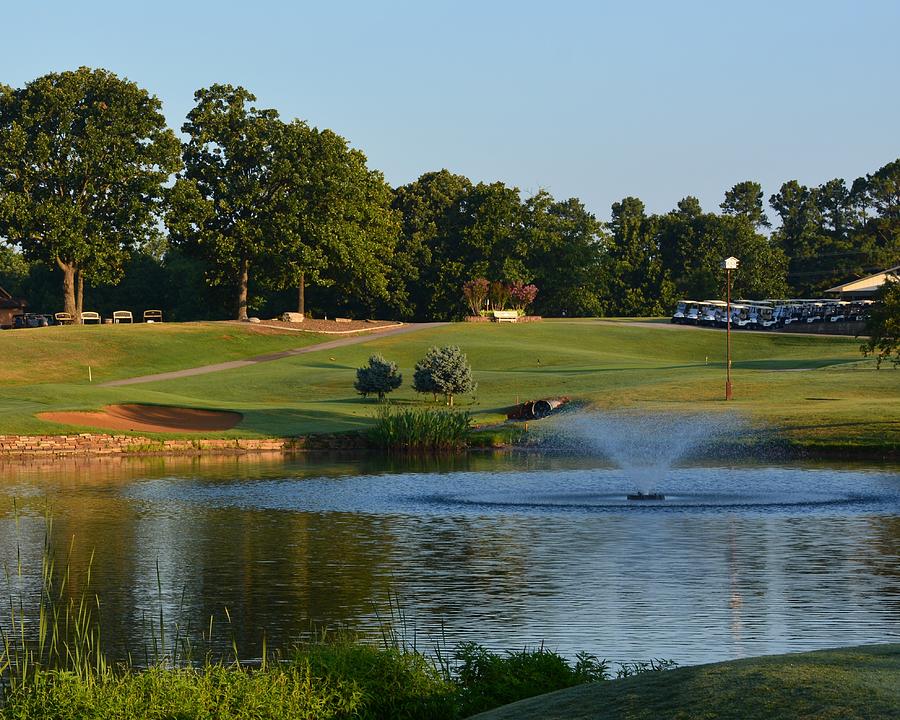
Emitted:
pixel 249 213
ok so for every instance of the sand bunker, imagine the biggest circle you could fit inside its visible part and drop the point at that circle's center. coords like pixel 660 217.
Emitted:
pixel 148 418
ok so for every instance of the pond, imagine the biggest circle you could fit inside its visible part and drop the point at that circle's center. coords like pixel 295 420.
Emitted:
pixel 507 549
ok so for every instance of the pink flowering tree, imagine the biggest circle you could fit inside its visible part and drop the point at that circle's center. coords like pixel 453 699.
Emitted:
pixel 521 296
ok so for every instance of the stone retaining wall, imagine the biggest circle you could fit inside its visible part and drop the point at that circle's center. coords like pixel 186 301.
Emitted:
pixel 99 444
pixel 826 328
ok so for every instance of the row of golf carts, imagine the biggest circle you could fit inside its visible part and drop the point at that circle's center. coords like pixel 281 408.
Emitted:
pixel 769 314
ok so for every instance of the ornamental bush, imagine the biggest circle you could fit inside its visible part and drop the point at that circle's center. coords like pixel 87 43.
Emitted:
pixel 444 371
pixel 499 295
pixel 521 295
pixel 476 292
pixel 379 377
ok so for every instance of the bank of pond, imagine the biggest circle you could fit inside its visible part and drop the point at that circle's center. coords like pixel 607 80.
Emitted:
pixel 347 679
pixel 337 677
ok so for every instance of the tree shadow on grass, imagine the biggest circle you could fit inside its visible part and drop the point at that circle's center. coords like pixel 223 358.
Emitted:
pixel 329 366
pixel 799 364
pixel 551 370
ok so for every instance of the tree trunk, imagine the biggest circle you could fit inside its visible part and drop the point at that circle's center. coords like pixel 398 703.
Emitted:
pixel 301 295
pixel 242 290
pixel 69 305
pixel 79 297
pixel 450 400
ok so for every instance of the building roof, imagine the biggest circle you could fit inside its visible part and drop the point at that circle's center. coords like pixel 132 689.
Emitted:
pixel 868 285
pixel 8 302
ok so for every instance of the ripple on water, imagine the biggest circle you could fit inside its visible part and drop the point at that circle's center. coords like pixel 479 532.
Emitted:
pixel 691 490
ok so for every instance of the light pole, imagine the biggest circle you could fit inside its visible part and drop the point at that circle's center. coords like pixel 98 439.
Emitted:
pixel 729 263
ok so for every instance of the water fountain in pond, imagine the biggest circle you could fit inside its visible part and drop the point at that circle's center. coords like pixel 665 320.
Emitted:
pixel 644 447
pixel 640 496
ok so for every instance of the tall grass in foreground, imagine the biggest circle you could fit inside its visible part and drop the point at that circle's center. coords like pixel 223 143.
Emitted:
pixel 67 632
pixel 421 429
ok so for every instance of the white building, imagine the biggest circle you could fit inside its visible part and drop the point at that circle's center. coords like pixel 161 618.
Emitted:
pixel 866 287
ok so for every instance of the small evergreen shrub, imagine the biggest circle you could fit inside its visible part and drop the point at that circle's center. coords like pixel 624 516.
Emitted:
pixel 444 371
pixel 379 377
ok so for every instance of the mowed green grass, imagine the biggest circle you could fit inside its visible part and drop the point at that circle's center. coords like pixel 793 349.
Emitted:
pixel 845 684
pixel 62 354
pixel 48 368
pixel 808 389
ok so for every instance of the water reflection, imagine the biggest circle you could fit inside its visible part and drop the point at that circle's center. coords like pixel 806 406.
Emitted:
pixel 505 550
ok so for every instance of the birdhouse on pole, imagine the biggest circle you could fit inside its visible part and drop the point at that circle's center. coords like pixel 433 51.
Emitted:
pixel 730 263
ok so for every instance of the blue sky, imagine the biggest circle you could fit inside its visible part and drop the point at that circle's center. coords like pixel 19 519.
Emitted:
pixel 597 100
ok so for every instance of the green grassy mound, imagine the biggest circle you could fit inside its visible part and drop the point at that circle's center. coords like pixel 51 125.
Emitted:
pixel 62 354
pixel 846 684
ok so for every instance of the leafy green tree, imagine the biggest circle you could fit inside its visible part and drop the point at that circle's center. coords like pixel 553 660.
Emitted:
pixel 333 222
pixel 453 231
pixel 837 212
pixel 427 251
pixel 13 271
pixel 876 199
pixel 746 200
pixel 882 190
pixel 565 246
pixel 483 238
pixel 832 232
pixel 691 249
pixel 380 377
pixel 883 326
pixel 444 371
pixel 492 241
pixel 800 236
pixel 222 205
pixel 84 156
pixel 459 231
pixel 638 283
pixel 763 269
pixel 693 244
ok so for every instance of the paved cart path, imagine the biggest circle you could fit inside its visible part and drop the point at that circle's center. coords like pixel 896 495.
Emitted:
pixel 268 357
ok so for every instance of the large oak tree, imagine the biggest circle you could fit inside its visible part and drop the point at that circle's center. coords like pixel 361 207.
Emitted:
pixel 332 219
pixel 84 157
pixel 223 203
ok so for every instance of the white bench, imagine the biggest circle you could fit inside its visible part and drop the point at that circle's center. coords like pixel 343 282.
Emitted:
pixel 63 318
pixel 120 316
pixel 90 316
pixel 506 315
pixel 153 316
